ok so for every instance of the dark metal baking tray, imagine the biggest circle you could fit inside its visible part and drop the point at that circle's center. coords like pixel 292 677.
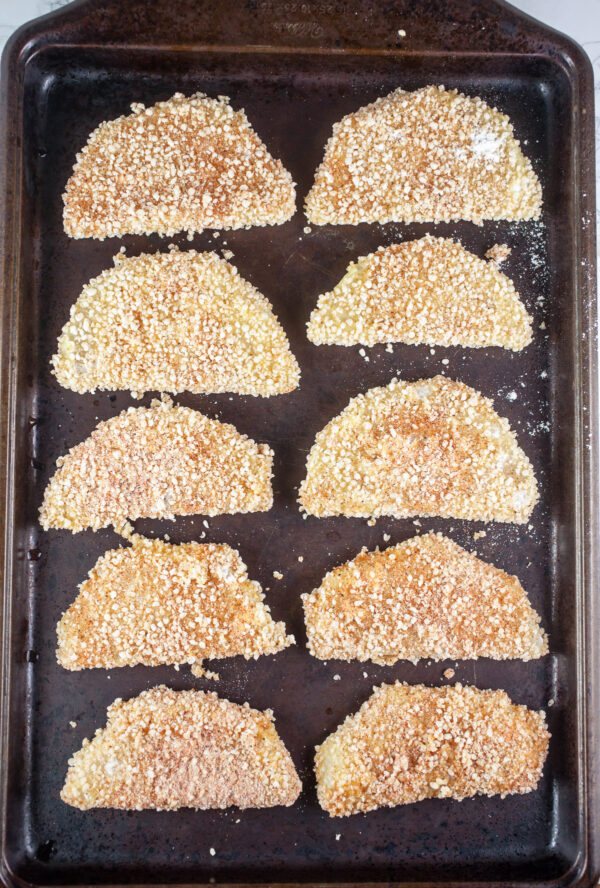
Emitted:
pixel 296 67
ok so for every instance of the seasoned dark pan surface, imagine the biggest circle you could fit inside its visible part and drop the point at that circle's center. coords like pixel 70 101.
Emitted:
pixel 292 100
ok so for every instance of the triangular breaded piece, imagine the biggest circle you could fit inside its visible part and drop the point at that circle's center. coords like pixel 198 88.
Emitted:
pixel 426 597
pixel 158 603
pixel 174 322
pixel 431 447
pixel 429 291
pixel 185 164
pixel 408 743
pixel 182 749
pixel 433 155
pixel 157 462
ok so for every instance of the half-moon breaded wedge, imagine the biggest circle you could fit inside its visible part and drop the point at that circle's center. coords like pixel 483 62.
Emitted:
pixel 429 291
pixel 157 462
pixel 408 743
pixel 426 597
pixel 185 164
pixel 433 155
pixel 158 603
pixel 431 447
pixel 182 749
pixel 174 322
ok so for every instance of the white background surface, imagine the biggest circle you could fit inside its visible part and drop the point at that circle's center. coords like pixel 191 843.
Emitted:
pixel 579 19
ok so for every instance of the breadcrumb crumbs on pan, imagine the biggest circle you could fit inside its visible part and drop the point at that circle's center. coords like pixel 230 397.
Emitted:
pixel 498 253
pixel 433 155
pixel 409 743
pixel 434 447
pixel 174 322
pixel 429 291
pixel 424 598
pixel 158 603
pixel 182 165
pixel 170 749
pixel 157 462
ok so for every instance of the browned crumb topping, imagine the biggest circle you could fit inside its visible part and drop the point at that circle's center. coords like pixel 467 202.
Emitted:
pixel 498 253
pixel 174 322
pixel 408 743
pixel 429 291
pixel 433 155
pixel 156 462
pixel 185 164
pixel 431 447
pixel 424 598
pixel 182 749
pixel 158 603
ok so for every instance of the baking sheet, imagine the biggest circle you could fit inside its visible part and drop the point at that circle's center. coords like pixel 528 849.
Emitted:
pixel 292 99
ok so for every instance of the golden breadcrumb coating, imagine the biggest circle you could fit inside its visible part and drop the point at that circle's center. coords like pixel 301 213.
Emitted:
pixel 434 447
pixel 408 743
pixel 429 291
pixel 185 164
pixel 433 155
pixel 159 603
pixel 157 462
pixel 425 597
pixel 174 322
pixel 182 749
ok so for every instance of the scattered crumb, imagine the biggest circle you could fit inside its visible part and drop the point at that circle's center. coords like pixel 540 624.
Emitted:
pixel 498 253
pixel 551 701
pixel 511 396
pixel 300 558
pixel 445 361
pixel 479 534
pixel 307 229
pixel 401 33
pixel 212 852
pixel 448 673
pixel 227 254
pixel 386 537
pixel 338 836
pixel 73 724
pixel 542 326
pixel 336 677
pixel 389 348
pixel 371 522
pixel 278 575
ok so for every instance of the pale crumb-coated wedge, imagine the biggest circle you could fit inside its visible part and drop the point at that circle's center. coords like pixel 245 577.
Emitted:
pixel 409 743
pixel 433 155
pixel 174 322
pixel 434 447
pixel 429 291
pixel 157 603
pixel 424 598
pixel 189 163
pixel 157 462
pixel 182 749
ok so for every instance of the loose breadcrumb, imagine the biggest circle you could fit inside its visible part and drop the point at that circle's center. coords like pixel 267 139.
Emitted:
pixel 158 603
pixel 408 743
pixel 182 749
pixel 174 322
pixel 156 462
pixel 498 253
pixel 184 164
pixel 424 598
pixel 433 155
pixel 429 291
pixel 431 447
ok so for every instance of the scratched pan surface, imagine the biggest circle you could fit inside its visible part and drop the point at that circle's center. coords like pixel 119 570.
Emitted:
pixel 292 99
